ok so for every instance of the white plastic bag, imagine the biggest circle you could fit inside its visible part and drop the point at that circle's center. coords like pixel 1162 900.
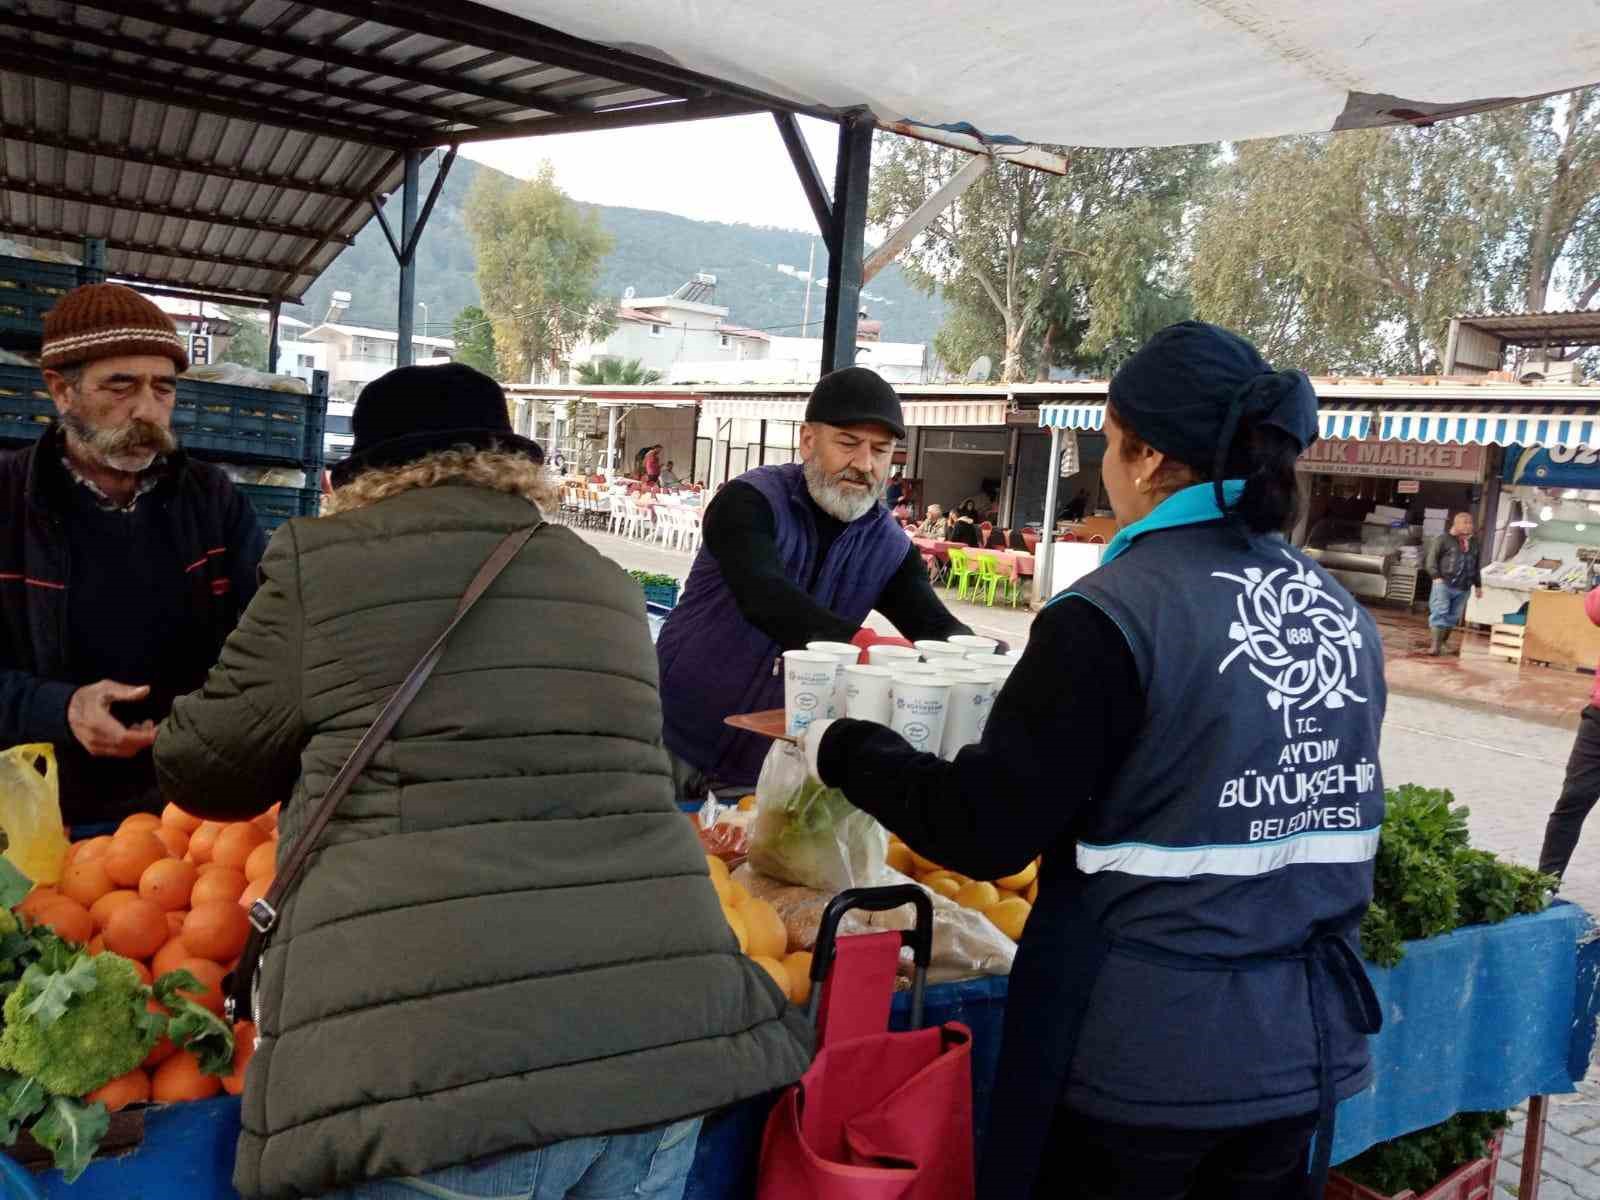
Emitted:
pixel 809 834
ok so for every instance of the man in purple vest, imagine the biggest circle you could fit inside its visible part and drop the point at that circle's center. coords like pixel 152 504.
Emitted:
pixel 790 554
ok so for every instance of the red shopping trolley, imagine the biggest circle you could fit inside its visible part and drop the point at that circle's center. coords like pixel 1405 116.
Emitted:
pixel 879 1115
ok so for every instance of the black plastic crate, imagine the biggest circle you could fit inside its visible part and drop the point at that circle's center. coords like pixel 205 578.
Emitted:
pixel 275 505
pixel 212 420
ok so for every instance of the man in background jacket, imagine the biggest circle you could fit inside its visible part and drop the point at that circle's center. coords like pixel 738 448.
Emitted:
pixel 1455 561
pixel 124 565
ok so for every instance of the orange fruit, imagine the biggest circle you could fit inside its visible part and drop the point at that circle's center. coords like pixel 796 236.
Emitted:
pixel 102 908
pixel 216 930
pixel 210 975
pixel 944 886
pixel 175 840
pixel 137 929
pixel 263 861
pixel 130 853
pixel 139 821
pixel 980 896
pixel 170 957
pixel 85 882
pixel 268 821
pixel 168 883
pixel 254 891
pixel 180 1078
pixel 97 944
pixel 132 1088
pixel 163 1049
pixel 244 1048
pixel 143 972
pixel 92 849
pixel 175 923
pixel 774 968
pixel 235 842
pixel 37 899
pixel 1020 881
pixel 1032 894
pixel 203 839
pixel 899 859
pixel 68 918
pixel 768 937
pixel 798 966
pixel 225 883
pixel 1009 916
pixel 175 817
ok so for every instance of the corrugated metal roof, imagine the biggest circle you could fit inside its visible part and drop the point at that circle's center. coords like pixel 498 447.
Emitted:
pixel 1534 329
pixel 231 146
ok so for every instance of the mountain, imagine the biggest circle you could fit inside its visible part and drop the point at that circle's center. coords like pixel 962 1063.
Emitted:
pixel 654 253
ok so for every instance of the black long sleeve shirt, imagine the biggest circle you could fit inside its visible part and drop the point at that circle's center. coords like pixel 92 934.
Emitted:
pixel 1063 724
pixel 741 532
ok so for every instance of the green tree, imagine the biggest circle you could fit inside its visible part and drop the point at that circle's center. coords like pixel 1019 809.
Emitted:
pixel 473 334
pixel 615 371
pixel 1352 252
pixel 1042 269
pixel 247 345
pixel 539 262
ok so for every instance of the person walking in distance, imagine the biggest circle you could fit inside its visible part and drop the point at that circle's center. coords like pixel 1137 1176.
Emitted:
pixel 1455 563
pixel 1581 788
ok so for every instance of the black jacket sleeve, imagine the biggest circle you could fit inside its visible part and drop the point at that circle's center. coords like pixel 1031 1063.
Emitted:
pixel 33 709
pixel 913 607
pixel 1064 722
pixel 248 543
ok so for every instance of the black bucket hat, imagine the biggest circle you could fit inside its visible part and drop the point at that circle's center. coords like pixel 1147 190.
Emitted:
pixel 413 411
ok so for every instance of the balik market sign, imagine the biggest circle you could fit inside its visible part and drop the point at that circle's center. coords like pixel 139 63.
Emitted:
pixel 1395 460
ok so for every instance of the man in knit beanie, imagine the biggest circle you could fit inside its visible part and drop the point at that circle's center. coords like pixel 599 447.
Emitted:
pixel 124 564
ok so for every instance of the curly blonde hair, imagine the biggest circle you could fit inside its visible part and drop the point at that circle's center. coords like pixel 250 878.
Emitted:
pixel 497 470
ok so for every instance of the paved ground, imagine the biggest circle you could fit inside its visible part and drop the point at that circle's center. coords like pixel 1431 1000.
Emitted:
pixel 1495 735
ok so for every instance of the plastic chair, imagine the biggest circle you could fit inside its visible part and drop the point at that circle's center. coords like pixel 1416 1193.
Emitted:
pixel 962 572
pixel 619 515
pixel 988 580
pixel 689 531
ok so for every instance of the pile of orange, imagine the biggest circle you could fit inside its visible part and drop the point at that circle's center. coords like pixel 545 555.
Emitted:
pixel 762 934
pixel 1007 902
pixel 169 893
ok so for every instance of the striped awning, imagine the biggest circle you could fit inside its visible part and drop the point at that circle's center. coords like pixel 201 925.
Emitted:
pixel 1529 425
pixel 1090 416
pixel 1344 424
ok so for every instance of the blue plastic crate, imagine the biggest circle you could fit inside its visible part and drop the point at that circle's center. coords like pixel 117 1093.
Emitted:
pixel 28 290
pixel 25 407
pixel 275 505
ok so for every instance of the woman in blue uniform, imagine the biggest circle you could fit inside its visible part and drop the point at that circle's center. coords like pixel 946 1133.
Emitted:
pixel 1191 742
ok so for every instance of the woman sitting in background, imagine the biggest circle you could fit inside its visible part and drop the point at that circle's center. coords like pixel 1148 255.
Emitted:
pixel 964 526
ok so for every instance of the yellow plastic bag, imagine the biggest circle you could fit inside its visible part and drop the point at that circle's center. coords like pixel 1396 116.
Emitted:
pixel 30 812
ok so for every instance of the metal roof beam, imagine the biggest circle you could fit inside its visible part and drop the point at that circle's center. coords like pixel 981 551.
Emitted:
pixel 41 63
pixel 259 39
pixel 122 204
pixel 620 118
pixel 349 210
pixel 76 238
pixel 287 80
pixel 145 158
pixel 805 167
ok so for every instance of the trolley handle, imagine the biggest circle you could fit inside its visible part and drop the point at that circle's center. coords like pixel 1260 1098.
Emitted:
pixel 880 899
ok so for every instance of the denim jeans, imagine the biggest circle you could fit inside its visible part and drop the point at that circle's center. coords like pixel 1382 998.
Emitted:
pixel 654 1164
pixel 1446 605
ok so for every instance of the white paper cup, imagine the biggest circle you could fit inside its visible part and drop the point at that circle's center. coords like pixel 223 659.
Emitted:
pixel 844 655
pixel 997 682
pixel 866 693
pixel 809 680
pixel 970 700
pixel 888 655
pixel 957 666
pixel 933 651
pixel 919 711
pixel 1010 656
pixel 1003 666
pixel 973 642
pixel 913 670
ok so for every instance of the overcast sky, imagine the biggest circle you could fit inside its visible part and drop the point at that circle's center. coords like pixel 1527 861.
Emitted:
pixel 734 169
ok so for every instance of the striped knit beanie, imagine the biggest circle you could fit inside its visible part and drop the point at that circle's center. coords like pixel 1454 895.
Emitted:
pixel 105 320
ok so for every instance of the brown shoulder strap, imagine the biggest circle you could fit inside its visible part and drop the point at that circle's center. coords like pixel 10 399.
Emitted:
pixel 264 912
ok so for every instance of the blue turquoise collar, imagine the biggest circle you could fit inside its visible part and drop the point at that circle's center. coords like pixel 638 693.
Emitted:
pixel 1192 506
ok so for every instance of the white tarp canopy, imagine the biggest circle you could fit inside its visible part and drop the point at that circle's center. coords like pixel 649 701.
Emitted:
pixel 1119 72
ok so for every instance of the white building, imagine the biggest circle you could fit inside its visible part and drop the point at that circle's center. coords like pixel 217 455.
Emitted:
pixel 769 359
pixel 356 355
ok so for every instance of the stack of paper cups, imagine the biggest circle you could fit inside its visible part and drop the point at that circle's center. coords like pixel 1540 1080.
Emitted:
pixel 845 655
pixel 996 681
pixel 972 643
pixel 809 679
pixel 920 705
pixel 1011 656
pixel 866 693
pixel 914 668
pixel 962 667
pixel 935 651
pixel 970 699
pixel 889 655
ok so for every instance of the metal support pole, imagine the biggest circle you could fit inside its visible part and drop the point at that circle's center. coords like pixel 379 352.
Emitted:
pixel 958 186
pixel 1533 1148
pixel 846 246
pixel 611 438
pixel 694 443
pixel 727 453
pixel 1042 586
pixel 408 264
pixel 273 314
pixel 761 454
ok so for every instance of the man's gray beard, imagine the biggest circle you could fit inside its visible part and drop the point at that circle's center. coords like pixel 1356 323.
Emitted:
pixel 111 448
pixel 834 500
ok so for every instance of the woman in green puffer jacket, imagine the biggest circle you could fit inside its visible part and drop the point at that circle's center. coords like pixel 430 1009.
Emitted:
pixel 505 962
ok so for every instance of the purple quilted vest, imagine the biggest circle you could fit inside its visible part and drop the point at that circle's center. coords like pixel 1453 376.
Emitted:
pixel 715 663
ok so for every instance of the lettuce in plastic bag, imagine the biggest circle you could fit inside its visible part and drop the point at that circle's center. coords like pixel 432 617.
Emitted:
pixel 809 834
